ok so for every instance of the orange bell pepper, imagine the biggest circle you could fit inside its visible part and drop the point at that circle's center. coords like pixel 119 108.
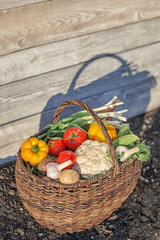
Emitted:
pixel 95 133
pixel 34 151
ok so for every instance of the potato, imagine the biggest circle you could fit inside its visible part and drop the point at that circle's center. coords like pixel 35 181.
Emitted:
pixel 69 176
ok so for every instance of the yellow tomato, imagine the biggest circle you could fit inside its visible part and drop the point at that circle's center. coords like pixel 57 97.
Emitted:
pixel 34 151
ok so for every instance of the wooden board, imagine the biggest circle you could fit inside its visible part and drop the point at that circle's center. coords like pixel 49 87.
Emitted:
pixel 106 74
pixel 52 21
pixel 5 4
pixel 47 58
pixel 17 131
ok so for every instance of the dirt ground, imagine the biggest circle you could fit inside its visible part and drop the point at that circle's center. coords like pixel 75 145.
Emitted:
pixel 137 219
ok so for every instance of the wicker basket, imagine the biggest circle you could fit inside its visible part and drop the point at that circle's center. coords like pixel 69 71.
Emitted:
pixel 80 206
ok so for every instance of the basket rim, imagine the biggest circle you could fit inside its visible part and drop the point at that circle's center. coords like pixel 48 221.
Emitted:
pixel 82 183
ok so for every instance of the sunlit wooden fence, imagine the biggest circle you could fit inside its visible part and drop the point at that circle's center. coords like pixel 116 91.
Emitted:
pixel 51 51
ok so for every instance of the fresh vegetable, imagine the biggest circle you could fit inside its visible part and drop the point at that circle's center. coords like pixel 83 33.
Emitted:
pixel 125 140
pixel 125 153
pixel 65 156
pixel 95 133
pixel 144 151
pixel 92 158
pixel 125 130
pixel 56 146
pixel 34 151
pixel 83 119
pixel 42 165
pixel 74 137
pixel 54 169
pixel 69 176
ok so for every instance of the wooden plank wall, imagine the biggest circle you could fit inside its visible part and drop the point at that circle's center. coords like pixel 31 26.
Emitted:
pixel 56 50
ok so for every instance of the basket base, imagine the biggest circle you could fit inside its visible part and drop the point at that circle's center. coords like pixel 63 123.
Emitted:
pixel 65 210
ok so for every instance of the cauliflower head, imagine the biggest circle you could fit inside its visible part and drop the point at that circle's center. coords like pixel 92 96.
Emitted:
pixel 92 158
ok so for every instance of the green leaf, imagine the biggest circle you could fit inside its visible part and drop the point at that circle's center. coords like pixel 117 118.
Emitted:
pixel 144 152
pixel 124 130
pixel 108 154
pixel 125 140
pixel 122 154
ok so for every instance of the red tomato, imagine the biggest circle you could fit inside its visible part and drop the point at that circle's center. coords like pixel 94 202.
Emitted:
pixel 74 137
pixel 56 146
pixel 65 156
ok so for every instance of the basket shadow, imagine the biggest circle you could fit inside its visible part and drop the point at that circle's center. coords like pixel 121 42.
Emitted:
pixel 126 82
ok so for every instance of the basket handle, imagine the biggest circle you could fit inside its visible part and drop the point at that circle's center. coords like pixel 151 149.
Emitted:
pixel 97 119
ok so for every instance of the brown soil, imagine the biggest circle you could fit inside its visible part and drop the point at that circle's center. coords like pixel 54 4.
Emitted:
pixel 137 219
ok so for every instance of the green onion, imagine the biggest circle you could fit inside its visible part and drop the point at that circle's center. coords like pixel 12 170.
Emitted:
pixel 83 120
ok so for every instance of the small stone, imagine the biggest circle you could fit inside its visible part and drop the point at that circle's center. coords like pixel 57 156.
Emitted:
pixel 147 121
pixel 155 132
pixel 141 133
pixel 108 231
pixel 113 218
pixel 152 219
pixel 144 179
pixel 40 234
pixel 11 192
pixel 156 225
pixel 144 127
pixel 155 170
pixel 145 212
pixel 7 170
pixel 13 184
pixel 144 219
pixel 21 231
pixel 110 226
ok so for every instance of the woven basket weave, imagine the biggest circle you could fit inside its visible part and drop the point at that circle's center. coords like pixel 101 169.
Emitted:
pixel 80 206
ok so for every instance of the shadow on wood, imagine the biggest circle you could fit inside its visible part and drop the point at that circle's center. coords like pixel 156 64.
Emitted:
pixel 126 82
